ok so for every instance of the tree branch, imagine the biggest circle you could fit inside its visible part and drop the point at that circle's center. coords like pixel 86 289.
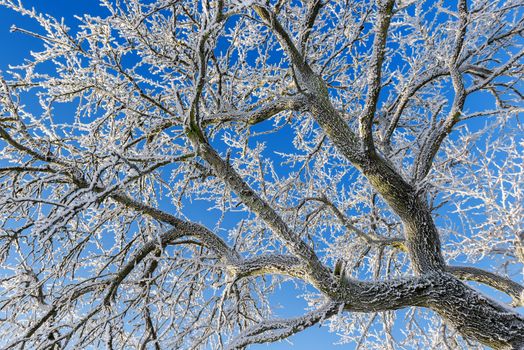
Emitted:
pixel 374 74
pixel 506 285
pixel 423 241
pixel 291 103
pixel 314 8
pixel 271 264
pixel 274 330
pixel 320 275
pixel 427 153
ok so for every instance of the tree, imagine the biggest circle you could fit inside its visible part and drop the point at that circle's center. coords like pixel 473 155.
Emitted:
pixel 368 152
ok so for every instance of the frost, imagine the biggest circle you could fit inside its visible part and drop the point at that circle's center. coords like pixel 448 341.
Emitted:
pixel 168 167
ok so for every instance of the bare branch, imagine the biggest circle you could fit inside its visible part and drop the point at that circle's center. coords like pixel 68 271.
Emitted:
pixel 273 330
pixel 385 11
pixel 469 273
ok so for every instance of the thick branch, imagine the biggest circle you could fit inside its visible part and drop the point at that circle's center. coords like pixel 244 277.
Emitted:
pixel 472 314
pixel 506 285
pixel 465 309
pixel 271 264
pixel 320 275
pixel 422 237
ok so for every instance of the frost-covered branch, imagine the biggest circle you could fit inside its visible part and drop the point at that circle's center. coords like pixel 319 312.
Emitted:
pixel 168 165
pixel 274 330
pixel 385 11
pixel 504 284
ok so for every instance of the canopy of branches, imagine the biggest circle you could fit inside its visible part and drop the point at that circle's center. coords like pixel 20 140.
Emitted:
pixel 167 165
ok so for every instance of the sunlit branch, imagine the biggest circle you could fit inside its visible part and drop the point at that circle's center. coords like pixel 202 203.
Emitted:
pixel 273 330
pixel 258 115
pixel 370 237
pixel 506 285
pixel 375 73
pixel 272 264
pixel 259 118
pixel 320 274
